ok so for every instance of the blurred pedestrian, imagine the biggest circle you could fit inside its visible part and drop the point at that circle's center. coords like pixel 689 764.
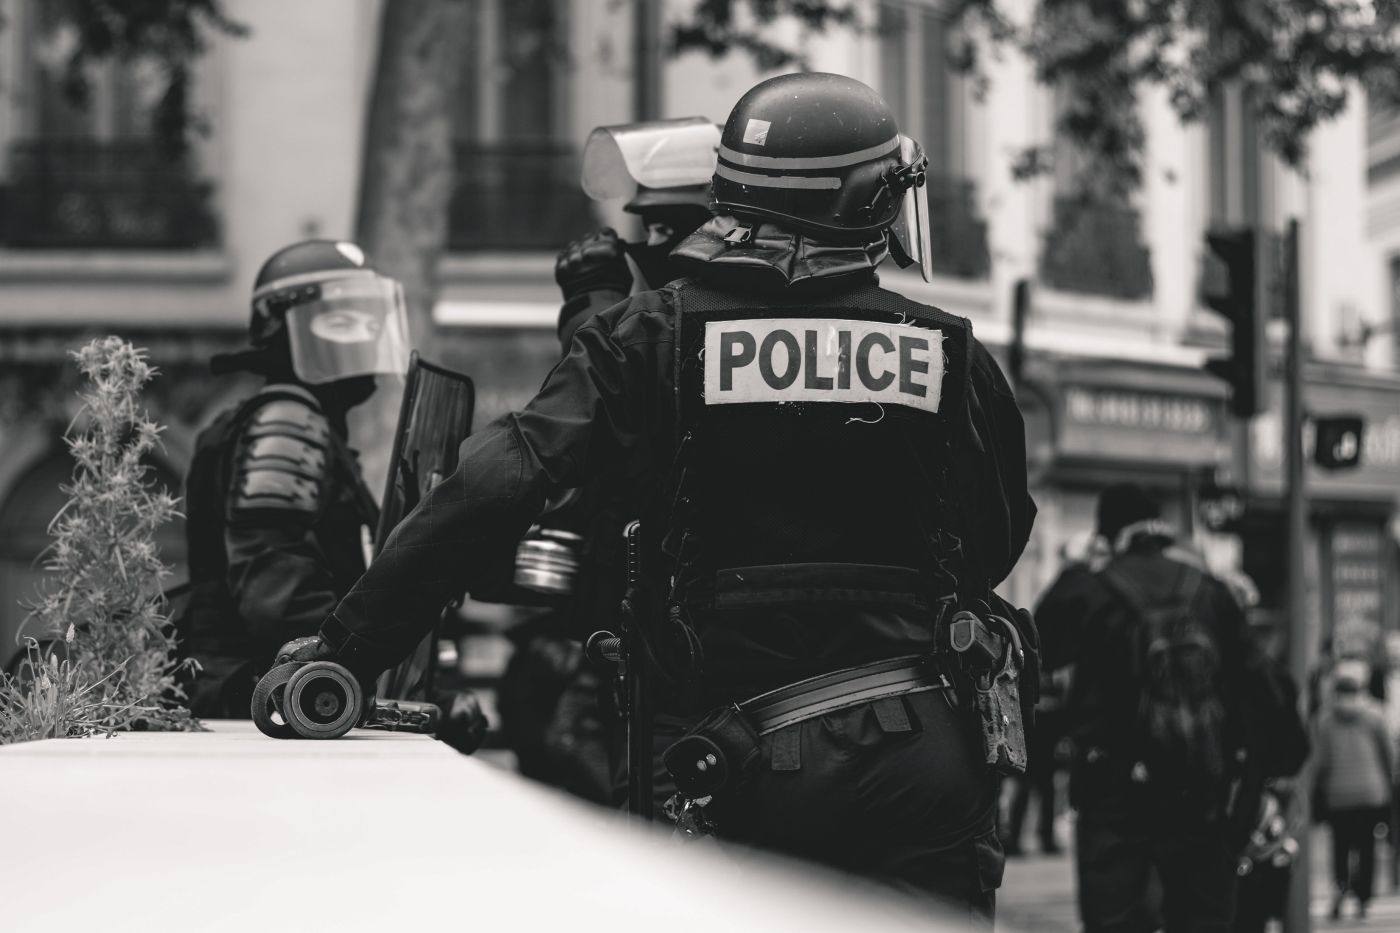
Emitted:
pixel 1352 783
pixel 1162 726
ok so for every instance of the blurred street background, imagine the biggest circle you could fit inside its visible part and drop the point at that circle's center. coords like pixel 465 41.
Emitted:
pixel 1039 894
pixel 140 192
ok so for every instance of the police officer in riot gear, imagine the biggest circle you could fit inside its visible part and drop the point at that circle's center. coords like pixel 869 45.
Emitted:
pixel 663 168
pixel 548 696
pixel 276 501
pixel 826 474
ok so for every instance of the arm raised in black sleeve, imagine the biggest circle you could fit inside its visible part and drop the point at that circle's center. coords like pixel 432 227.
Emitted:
pixel 583 422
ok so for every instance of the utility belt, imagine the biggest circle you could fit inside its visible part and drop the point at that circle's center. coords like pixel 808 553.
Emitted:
pixel 723 748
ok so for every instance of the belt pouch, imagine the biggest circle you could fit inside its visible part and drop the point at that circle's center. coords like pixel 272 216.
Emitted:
pixel 718 752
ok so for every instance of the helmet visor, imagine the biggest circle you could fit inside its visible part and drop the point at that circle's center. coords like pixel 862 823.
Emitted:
pixel 910 229
pixel 659 154
pixel 356 327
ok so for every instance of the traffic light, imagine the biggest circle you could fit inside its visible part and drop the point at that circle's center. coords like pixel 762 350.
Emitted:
pixel 1338 441
pixel 1229 287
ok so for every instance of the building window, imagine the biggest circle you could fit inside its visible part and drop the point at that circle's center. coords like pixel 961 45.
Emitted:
pixel 927 97
pixel 1094 244
pixel 517 170
pixel 94 176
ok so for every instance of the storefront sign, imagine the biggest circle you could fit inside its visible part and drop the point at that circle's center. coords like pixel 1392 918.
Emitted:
pixel 1358 579
pixel 1141 425
pixel 1376 476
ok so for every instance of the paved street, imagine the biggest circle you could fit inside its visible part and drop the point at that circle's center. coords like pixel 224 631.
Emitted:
pixel 1038 895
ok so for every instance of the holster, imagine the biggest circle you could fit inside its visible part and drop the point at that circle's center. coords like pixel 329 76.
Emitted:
pixel 992 657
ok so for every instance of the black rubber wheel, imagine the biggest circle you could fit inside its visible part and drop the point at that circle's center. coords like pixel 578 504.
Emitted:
pixel 323 701
pixel 267 702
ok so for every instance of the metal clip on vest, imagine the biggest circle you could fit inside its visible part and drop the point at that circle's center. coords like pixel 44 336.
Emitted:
pixel 625 651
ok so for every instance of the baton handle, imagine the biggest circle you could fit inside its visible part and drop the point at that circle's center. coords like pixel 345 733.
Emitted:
pixel 603 646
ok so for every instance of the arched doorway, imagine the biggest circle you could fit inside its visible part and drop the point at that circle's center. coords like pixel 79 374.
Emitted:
pixel 25 515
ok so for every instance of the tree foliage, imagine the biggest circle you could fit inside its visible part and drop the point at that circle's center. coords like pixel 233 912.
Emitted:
pixel 718 27
pixel 1297 57
pixel 171 33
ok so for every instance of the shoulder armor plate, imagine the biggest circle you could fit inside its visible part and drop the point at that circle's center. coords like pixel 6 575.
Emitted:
pixel 281 460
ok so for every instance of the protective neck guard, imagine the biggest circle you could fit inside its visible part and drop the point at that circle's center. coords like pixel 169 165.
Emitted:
pixel 765 255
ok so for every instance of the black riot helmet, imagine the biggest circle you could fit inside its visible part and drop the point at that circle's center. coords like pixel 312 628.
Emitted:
pixel 821 154
pixel 321 310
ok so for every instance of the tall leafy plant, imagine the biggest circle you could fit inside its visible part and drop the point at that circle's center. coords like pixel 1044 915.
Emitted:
pixel 112 663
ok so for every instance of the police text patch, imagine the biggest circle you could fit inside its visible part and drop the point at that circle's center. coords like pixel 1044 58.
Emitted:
pixel 823 360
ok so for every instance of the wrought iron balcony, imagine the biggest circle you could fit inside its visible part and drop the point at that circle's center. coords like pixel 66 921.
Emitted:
pixel 1095 247
pixel 90 194
pixel 957 235
pixel 517 196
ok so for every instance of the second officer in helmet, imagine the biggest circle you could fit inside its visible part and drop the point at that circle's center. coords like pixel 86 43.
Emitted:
pixel 277 505
pixel 822 467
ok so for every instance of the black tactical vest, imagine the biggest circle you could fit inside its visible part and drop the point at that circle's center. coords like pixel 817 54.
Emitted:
pixel 212 628
pixel 810 486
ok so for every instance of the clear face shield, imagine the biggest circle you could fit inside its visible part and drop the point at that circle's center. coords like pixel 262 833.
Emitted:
pixel 660 154
pixel 909 233
pixel 356 327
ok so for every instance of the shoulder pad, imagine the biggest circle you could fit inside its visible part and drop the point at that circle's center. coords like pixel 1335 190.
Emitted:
pixel 281 461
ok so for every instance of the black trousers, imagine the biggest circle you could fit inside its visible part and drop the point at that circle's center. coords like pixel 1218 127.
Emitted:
pixel 1353 833
pixel 889 790
pixel 1116 849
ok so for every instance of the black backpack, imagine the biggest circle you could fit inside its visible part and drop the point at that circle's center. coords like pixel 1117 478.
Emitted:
pixel 1180 727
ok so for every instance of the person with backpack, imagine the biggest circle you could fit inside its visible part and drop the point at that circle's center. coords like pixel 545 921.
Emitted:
pixel 1352 781
pixel 1167 689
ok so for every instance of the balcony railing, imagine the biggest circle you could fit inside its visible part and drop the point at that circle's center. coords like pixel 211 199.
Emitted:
pixel 956 234
pixel 517 196
pixel 1095 248
pixel 89 194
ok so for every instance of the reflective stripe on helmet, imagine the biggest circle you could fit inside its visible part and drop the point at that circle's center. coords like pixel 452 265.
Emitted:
pixel 825 182
pixel 309 278
pixel 810 162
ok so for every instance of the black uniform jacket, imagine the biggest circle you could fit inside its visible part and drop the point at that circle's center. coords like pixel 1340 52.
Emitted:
pixel 275 506
pixel 608 410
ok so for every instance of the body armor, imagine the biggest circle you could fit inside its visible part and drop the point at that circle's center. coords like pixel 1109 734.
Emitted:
pixel 275 510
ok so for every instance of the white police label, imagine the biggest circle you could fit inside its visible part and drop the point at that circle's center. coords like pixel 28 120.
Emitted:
pixel 823 360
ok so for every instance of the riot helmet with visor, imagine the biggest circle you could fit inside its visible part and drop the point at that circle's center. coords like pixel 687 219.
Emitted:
pixel 821 154
pixel 339 318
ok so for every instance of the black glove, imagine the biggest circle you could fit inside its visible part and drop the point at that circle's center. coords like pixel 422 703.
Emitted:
pixel 304 650
pixel 310 648
pixel 463 724
pixel 593 263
